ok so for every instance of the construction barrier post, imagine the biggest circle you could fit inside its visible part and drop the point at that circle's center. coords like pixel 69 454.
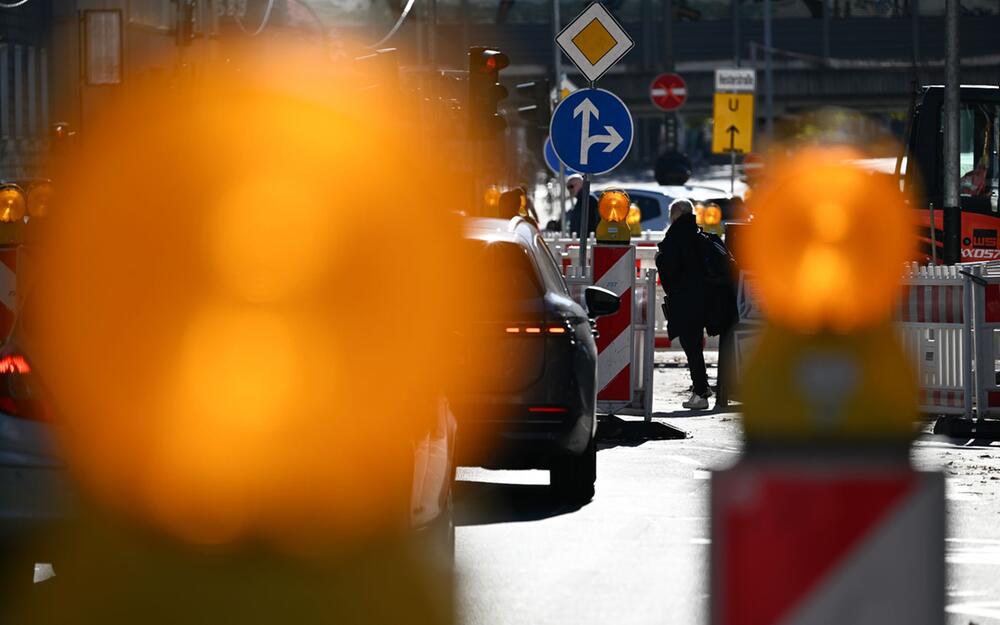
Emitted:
pixel 823 520
pixel 614 269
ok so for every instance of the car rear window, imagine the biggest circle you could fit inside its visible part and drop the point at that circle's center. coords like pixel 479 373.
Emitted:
pixel 505 269
pixel 648 206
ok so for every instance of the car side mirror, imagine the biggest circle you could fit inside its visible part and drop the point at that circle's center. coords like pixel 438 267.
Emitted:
pixel 600 302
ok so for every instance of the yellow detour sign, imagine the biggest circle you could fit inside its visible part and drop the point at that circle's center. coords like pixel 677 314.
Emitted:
pixel 733 123
pixel 830 387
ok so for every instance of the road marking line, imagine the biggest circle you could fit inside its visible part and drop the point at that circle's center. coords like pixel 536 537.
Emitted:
pixel 718 449
pixel 985 609
pixel 685 460
pixel 967 593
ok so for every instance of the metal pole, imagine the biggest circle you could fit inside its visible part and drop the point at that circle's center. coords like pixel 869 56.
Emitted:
pixel 668 35
pixel 564 223
pixel 826 30
pixel 736 33
pixel 557 70
pixel 950 211
pixel 768 75
pixel 732 173
pixel 915 28
pixel 432 33
pixel 933 230
pixel 584 222
pixel 585 216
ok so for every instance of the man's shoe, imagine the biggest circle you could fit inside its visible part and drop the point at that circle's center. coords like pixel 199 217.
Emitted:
pixel 697 402
pixel 708 393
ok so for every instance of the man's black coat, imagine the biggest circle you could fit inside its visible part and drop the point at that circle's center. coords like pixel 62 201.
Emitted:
pixel 573 215
pixel 681 267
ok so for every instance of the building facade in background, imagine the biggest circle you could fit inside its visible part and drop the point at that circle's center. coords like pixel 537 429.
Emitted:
pixel 66 60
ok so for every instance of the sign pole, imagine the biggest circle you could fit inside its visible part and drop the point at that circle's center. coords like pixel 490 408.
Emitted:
pixel 732 172
pixel 585 214
pixel 584 222
pixel 562 198
pixel 557 69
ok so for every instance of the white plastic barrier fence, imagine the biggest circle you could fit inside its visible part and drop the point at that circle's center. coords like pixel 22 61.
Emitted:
pixel 934 318
pixel 987 337
pixel 644 310
pixel 937 321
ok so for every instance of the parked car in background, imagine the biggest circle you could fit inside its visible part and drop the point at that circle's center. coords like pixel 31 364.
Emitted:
pixel 654 201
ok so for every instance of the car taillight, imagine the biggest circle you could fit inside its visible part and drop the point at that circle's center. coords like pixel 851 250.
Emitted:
pixel 17 395
pixel 14 363
pixel 536 329
pixel 548 409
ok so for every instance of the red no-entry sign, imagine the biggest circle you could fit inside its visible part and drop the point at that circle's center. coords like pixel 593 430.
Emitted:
pixel 668 91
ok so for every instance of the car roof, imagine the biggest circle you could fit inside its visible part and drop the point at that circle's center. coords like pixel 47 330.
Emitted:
pixel 514 230
pixel 693 192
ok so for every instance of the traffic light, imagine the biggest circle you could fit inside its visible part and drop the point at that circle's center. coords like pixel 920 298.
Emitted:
pixel 486 92
pixel 537 113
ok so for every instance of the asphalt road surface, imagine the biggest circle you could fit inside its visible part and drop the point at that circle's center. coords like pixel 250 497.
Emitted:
pixel 638 553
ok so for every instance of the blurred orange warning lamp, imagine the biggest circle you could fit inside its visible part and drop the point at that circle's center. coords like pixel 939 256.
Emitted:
pixel 828 242
pixel 12 204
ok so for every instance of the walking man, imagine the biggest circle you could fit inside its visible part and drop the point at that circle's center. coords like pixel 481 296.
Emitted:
pixel 681 267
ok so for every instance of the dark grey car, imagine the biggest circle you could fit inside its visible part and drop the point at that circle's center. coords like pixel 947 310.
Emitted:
pixel 532 404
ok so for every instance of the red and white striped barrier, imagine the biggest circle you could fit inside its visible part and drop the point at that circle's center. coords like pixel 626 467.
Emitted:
pixel 567 249
pixel 641 304
pixel 801 543
pixel 614 269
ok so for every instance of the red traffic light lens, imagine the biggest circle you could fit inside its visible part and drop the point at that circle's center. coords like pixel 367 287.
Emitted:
pixel 496 61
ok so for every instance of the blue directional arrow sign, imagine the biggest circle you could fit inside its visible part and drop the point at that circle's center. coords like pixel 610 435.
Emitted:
pixel 552 161
pixel 591 131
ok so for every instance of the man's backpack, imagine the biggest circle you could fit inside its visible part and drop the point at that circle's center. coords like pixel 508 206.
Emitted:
pixel 720 266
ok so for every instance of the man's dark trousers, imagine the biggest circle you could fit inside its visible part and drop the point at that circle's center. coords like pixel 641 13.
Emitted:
pixel 693 344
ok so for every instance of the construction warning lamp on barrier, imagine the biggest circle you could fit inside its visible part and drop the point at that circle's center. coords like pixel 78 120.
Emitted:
pixel 828 367
pixel 634 220
pixel 838 273
pixel 39 198
pixel 12 204
pixel 491 198
pixel 711 215
pixel 614 209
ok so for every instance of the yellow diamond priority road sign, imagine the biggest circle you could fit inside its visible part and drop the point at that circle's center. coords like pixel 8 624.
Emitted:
pixel 594 41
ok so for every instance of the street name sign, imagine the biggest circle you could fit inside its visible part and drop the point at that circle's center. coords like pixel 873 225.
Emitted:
pixel 668 92
pixel 552 160
pixel 594 41
pixel 591 131
pixel 736 79
pixel 732 130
